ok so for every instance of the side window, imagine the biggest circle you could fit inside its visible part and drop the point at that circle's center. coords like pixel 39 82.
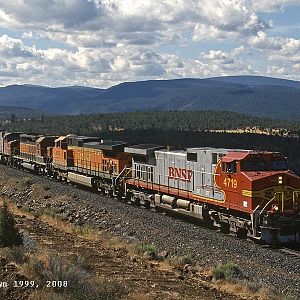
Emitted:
pixel 191 157
pixel 145 174
pixel 113 166
pixel 231 167
pixel 104 166
pixel 151 174
pixel 138 173
pixel 223 167
pixel 214 158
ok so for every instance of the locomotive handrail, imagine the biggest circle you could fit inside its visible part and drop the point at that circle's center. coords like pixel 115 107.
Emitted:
pixel 272 199
pixel 264 208
pixel 121 173
pixel 296 193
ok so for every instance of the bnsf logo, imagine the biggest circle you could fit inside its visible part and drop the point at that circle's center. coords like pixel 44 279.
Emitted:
pixel 182 174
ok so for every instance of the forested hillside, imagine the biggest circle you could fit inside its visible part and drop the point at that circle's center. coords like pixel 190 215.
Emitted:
pixel 166 120
pixel 11 113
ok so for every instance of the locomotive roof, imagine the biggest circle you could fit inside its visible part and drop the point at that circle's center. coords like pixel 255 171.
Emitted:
pixel 177 152
pixel 142 149
pixel 106 145
pixel 240 155
pixel 60 138
pixel 25 135
pixel 46 137
pixel 145 146
pixel 12 132
pixel 217 149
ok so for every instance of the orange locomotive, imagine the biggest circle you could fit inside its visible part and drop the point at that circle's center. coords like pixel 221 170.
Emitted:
pixel 33 152
pixel 90 161
pixel 9 146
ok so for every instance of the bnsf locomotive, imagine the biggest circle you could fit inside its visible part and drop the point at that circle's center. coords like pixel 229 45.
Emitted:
pixel 251 193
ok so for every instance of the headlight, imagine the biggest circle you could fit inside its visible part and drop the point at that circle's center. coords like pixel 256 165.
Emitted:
pixel 280 179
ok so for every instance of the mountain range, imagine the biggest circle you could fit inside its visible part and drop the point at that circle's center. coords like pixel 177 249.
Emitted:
pixel 253 95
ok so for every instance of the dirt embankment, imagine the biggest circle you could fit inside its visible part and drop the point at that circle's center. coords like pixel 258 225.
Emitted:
pixel 108 258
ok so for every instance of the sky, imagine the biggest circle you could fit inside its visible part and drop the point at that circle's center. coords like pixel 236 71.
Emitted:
pixel 100 43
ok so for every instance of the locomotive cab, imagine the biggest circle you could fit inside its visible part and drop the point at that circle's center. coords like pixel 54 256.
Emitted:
pixel 261 184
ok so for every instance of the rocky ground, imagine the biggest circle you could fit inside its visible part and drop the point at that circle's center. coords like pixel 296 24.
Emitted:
pixel 111 260
pixel 260 265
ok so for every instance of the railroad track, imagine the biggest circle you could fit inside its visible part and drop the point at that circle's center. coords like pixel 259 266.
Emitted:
pixel 290 251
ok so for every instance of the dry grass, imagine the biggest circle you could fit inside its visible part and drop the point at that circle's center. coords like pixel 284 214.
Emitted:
pixel 48 295
pixel 86 231
pixel 139 296
pixel 14 254
pixel 243 288
pixel 249 290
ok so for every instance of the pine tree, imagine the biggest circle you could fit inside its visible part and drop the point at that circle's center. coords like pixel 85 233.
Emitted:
pixel 9 234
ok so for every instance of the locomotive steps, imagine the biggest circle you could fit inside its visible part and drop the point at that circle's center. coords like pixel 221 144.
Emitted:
pixel 261 266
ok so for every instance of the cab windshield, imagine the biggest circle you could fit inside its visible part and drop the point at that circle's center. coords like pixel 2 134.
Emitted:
pixel 278 165
pixel 261 165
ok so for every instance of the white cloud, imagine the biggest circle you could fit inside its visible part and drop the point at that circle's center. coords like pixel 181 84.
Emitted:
pixel 33 13
pixel 103 67
pixel 204 32
pixel 263 41
pixel 109 41
pixel 133 22
pixel 27 35
pixel 226 63
pixel 272 5
pixel 275 70
pixel 282 50
pixel 10 47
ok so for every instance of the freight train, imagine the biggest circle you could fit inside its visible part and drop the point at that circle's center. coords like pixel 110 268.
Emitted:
pixel 251 193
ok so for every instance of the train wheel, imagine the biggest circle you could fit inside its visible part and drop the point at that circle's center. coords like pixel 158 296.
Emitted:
pixel 225 227
pixel 241 233
pixel 147 204
pixel 101 191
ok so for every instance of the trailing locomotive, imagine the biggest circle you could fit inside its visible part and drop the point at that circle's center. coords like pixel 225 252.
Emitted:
pixel 251 193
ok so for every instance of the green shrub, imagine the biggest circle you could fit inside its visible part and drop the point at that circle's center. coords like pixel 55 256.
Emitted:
pixel 228 272
pixel 37 213
pixel 181 261
pixel 27 181
pixel 252 286
pixel 83 230
pixel 56 267
pixel 290 297
pixel 46 187
pixel 9 234
pixel 14 254
pixel 51 212
pixel 148 249
pixel 81 285
pixel 106 290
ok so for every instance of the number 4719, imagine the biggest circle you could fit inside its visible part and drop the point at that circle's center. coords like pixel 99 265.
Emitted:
pixel 229 182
